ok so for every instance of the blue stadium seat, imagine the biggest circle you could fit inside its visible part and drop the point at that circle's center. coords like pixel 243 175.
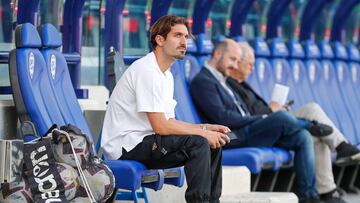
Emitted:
pixel 190 62
pixel 298 73
pixel 185 108
pixel 354 65
pixel 204 48
pixel 263 69
pixel 219 38
pixel 343 78
pixel 309 73
pixel 322 77
pixel 129 174
pixel 282 71
pixel 33 99
pixel 59 82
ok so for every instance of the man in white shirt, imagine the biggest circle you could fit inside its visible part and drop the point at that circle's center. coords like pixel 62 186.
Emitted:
pixel 140 123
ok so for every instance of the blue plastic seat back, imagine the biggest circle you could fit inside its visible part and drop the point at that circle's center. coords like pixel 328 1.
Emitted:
pixel 299 74
pixel 263 69
pixel 327 80
pixel 192 68
pixel 354 68
pixel 191 65
pixel 282 72
pixel 316 80
pixel 59 77
pixel 204 48
pixel 30 82
pixel 346 88
pixel 343 77
pixel 185 108
pixel 354 65
pixel 339 105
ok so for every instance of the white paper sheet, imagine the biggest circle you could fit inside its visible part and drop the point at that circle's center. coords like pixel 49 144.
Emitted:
pixel 280 94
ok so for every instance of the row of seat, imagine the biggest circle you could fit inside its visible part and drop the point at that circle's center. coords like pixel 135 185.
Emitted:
pixel 313 75
pixel 43 94
pixel 321 74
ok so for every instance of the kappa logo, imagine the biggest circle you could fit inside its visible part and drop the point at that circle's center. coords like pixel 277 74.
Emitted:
pixel 187 68
pixel 278 71
pixel 312 72
pixel 46 181
pixel 261 70
pixel 296 71
pixel 31 65
pixel 354 73
pixel 326 71
pixel 53 66
pixel 340 72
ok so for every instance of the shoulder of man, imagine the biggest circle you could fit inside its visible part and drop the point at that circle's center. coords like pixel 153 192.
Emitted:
pixel 202 75
pixel 142 65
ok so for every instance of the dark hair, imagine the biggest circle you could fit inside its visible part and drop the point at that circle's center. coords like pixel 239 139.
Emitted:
pixel 163 26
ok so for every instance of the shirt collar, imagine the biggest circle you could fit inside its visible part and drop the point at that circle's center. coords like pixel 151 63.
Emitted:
pixel 153 60
pixel 217 74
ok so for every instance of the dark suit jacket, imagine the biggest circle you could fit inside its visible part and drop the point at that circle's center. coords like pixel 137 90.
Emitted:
pixel 215 104
pixel 255 104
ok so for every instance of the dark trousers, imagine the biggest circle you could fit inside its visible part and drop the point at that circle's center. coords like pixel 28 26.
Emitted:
pixel 202 164
pixel 282 129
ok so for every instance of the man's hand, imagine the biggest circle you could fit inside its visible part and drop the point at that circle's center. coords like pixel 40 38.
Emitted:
pixel 274 106
pixel 216 139
pixel 216 128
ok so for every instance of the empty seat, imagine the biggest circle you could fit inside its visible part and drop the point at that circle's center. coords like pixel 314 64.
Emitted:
pixel 345 86
pixel 33 99
pixel 59 82
pixel 354 65
pixel 263 69
pixel 322 77
pixel 298 73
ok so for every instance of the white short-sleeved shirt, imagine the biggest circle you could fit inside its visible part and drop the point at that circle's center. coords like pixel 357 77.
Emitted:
pixel 142 88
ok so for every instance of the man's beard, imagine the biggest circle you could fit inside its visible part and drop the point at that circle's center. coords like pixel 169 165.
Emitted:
pixel 180 57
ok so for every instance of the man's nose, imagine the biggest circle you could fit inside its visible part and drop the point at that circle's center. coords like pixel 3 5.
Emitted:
pixel 183 41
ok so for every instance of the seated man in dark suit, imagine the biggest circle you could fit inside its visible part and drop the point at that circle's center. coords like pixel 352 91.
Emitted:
pixel 218 103
pixel 323 146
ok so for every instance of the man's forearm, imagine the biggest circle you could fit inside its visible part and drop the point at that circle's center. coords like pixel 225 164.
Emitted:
pixel 174 126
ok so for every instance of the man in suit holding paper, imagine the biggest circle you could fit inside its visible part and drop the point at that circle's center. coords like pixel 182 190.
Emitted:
pixel 323 146
pixel 218 103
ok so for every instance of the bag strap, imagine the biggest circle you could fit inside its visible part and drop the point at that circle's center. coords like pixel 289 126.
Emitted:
pixel 57 133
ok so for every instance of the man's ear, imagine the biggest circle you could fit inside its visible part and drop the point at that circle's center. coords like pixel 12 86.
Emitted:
pixel 217 53
pixel 159 40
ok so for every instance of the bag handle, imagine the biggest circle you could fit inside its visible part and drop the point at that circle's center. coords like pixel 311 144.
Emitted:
pixel 58 133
